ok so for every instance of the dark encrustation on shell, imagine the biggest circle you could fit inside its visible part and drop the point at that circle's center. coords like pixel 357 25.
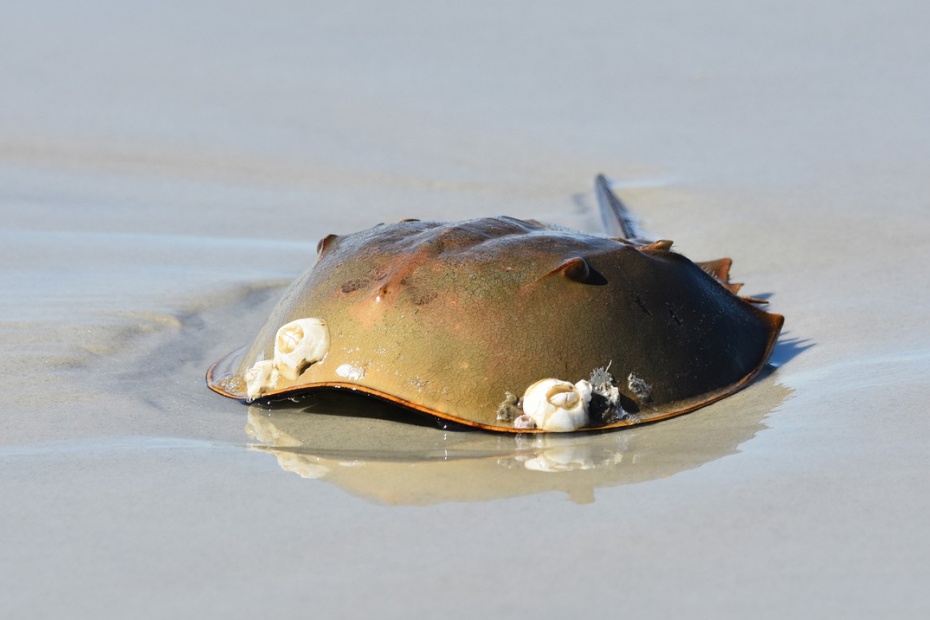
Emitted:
pixel 509 325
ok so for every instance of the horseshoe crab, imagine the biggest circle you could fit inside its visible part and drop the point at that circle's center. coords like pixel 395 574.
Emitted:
pixel 509 325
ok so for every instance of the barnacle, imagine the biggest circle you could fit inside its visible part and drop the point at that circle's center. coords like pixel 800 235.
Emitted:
pixel 260 377
pixel 299 344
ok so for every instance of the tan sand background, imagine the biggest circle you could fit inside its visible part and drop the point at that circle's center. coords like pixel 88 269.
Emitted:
pixel 166 167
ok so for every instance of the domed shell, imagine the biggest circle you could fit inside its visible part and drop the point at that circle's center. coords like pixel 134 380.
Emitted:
pixel 458 320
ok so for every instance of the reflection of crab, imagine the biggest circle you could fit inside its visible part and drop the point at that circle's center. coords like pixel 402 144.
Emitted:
pixel 449 318
pixel 555 460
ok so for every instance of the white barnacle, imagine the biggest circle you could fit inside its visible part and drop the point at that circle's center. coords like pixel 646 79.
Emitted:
pixel 350 372
pixel 299 344
pixel 558 406
pixel 260 378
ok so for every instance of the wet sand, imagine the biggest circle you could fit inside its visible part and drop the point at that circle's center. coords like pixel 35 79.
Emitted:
pixel 166 169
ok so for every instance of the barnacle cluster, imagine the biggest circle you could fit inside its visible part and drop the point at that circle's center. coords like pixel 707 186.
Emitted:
pixel 605 399
pixel 641 390
pixel 560 406
pixel 297 345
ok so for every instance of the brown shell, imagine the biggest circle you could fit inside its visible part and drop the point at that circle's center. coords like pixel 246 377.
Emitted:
pixel 447 318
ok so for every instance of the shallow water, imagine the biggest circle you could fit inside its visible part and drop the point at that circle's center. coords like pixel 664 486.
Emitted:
pixel 160 185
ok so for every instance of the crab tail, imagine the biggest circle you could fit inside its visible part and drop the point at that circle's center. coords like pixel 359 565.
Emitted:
pixel 619 224
pixel 617 220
